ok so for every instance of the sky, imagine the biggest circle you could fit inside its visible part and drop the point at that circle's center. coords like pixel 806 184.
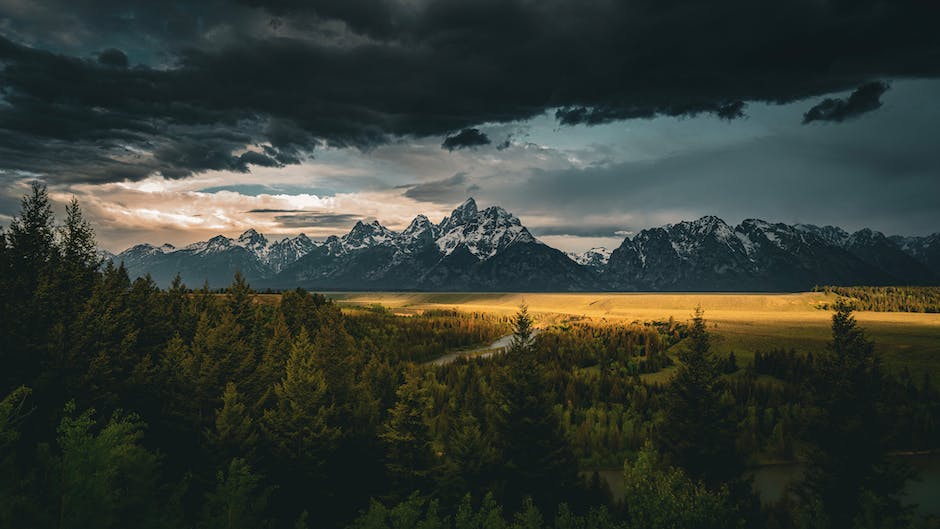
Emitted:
pixel 590 119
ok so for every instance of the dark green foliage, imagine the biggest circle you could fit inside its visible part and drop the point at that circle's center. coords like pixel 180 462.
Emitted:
pixel 658 495
pixel 238 500
pixel 235 431
pixel 103 477
pixel 407 438
pixel 13 411
pixel 299 425
pixel 470 459
pixel 416 512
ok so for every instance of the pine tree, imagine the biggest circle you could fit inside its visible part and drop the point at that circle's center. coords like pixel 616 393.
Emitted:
pixel 234 433
pixel 536 456
pixel 300 426
pixel 848 479
pixel 32 238
pixel 335 358
pixel 240 302
pixel 469 458
pixel 104 479
pixel 79 249
pixel 523 331
pixel 238 500
pixel 31 301
pixel 271 369
pixel 697 432
pixel 221 354
pixel 407 438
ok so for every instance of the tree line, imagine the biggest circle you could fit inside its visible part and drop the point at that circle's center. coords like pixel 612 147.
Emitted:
pixel 887 299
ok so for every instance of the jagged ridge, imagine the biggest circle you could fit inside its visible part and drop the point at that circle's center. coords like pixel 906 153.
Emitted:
pixel 490 249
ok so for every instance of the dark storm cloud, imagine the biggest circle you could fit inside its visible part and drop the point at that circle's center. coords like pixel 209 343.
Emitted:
pixel 465 139
pixel 446 190
pixel 113 57
pixel 864 99
pixel 358 73
pixel 325 220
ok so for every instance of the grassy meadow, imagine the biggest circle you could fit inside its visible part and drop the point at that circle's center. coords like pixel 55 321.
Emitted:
pixel 739 322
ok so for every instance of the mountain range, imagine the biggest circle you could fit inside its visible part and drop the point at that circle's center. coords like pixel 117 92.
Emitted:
pixel 490 250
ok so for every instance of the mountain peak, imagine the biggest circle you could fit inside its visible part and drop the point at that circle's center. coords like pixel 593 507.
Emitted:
pixel 595 258
pixel 365 235
pixel 695 230
pixel 830 234
pixel 709 222
pixel 482 233
pixel 461 215
pixel 499 214
pixel 251 238
pixel 418 225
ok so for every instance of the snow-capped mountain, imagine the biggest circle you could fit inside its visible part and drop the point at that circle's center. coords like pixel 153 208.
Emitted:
pixel 708 254
pixel 366 236
pixel 925 250
pixel 595 258
pixel 490 249
pixel 216 259
pixel 419 233
pixel 475 249
pixel 287 251
pixel 482 233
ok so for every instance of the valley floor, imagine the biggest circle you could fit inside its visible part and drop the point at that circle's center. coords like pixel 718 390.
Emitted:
pixel 739 322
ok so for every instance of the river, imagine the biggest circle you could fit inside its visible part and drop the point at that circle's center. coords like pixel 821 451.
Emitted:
pixel 771 481
pixel 477 352
pixel 924 491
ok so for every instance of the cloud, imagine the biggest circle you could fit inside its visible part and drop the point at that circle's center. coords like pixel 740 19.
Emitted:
pixel 113 57
pixel 447 190
pixel 321 220
pixel 361 73
pixel 864 99
pixel 466 139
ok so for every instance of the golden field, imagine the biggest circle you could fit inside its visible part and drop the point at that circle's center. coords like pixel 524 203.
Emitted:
pixel 740 322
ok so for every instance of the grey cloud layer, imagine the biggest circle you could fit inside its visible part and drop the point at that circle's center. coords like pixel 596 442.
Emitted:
pixel 138 87
pixel 307 219
pixel 444 191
